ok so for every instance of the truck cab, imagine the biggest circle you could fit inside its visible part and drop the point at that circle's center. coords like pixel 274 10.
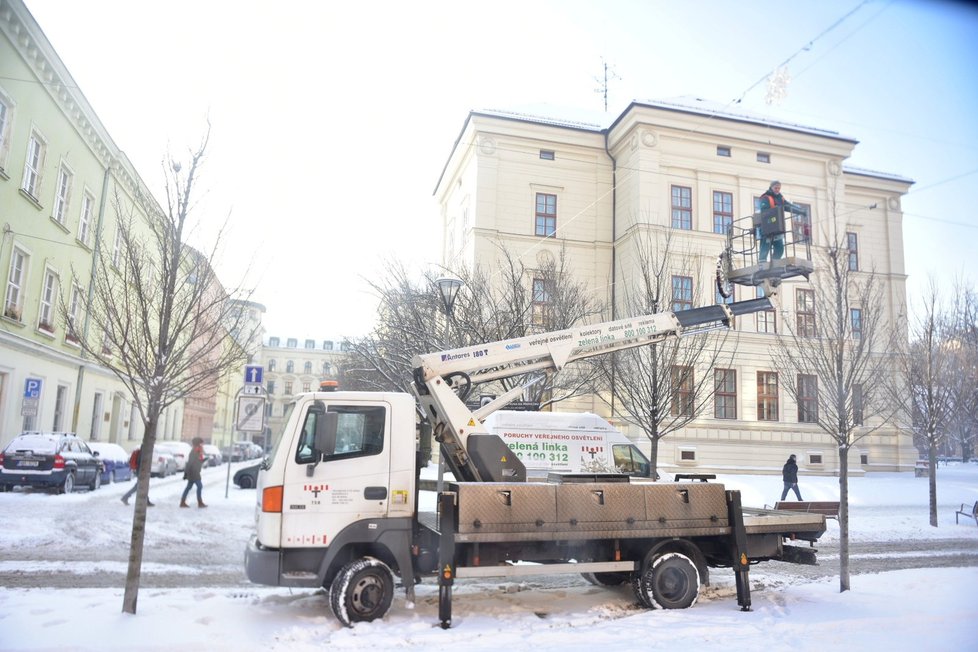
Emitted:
pixel 343 469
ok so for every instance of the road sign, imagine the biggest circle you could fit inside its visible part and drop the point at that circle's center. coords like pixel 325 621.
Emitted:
pixel 254 374
pixel 251 413
pixel 32 388
pixel 252 390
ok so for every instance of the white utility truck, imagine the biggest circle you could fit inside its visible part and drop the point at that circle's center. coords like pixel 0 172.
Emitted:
pixel 338 494
pixel 567 442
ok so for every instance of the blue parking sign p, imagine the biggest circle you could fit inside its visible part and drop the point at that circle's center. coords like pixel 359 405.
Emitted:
pixel 32 388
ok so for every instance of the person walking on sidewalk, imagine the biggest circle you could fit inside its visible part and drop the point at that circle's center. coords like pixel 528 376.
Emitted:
pixel 191 472
pixel 789 473
pixel 135 462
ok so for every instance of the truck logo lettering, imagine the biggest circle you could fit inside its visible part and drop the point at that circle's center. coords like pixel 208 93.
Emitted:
pixel 446 357
pixel 512 347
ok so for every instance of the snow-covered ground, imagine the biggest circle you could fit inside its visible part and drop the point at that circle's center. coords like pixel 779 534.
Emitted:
pixel 927 609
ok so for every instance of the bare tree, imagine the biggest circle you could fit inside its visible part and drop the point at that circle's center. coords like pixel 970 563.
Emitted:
pixel 963 343
pixel 159 319
pixel 508 301
pixel 662 387
pixel 835 359
pixel 927 369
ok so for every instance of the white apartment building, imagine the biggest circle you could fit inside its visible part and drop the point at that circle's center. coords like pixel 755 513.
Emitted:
pixel 682 169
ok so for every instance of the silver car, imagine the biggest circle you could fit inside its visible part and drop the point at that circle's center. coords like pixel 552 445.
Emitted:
pixel 163 464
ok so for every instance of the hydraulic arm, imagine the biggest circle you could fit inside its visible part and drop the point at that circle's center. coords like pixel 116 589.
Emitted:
pixel 474 455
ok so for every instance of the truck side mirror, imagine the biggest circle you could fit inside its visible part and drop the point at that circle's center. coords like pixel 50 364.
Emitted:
pixel 324 442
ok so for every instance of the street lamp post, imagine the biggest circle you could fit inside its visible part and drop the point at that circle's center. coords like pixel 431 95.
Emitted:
pixel 448 286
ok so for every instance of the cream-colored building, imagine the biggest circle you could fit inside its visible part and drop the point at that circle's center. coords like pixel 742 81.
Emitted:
pixel 293 366
pixel 680 170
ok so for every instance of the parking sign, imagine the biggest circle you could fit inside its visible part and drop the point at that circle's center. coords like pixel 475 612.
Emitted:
pixel 32 388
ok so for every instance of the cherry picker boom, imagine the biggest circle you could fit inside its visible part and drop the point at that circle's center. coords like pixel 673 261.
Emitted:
pixel 443 379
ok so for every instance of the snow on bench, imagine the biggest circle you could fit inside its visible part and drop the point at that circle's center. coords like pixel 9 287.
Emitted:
pixel 972 513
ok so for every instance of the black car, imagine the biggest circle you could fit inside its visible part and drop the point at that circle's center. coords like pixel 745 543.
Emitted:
pixel 247 478
pixel 59 460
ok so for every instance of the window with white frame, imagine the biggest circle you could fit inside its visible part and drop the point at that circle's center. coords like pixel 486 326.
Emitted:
pixel 60 401
pixel 74 312
pixel 307 368
pixel 5 113
pixel 49 297
pixel 32 165
pixel 13 301
pixel 767 321
pixel 61 195
pixel 117 247
pixel 85 220
pixel 541 301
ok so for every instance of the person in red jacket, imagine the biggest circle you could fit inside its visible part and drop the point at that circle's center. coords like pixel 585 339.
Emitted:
pixel 191 472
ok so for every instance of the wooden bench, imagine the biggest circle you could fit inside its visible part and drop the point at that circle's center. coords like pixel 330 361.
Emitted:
pixel 972 513
pixel 701 477
pixel 829 508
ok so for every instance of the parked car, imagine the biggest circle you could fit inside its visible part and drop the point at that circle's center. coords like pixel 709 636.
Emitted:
pixel 115 461
pixel 247 478
pixel 180 450
pixel 213 455
pixel 245 450
pixel 163 464
pixel 49 459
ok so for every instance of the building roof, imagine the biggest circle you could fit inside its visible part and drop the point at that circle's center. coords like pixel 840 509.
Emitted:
pixel 850 169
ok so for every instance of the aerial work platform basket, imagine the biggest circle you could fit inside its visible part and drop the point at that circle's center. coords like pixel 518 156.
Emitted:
pixel 740 263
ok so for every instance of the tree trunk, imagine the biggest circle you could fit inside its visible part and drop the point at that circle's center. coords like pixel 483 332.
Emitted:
pixel 843 519
pixel 932 478
pixel 131 595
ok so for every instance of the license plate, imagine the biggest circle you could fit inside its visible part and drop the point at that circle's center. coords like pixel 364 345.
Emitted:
pixel 27 463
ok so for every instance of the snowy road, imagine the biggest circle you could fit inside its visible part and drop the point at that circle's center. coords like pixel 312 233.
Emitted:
pixel 81 541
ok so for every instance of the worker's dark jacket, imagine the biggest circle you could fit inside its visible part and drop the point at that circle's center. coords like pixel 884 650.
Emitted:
pixel 790 472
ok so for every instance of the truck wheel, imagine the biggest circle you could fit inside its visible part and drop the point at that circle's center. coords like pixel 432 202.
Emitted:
pixel 362 591
pixel 606 579
pixel 68 485
pixel 667 581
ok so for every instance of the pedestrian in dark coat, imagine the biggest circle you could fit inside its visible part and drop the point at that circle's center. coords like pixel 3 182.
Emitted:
pixel 789 473
pixel 191 472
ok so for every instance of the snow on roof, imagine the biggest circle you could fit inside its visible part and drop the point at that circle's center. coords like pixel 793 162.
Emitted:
pixel 597 121
pixel 850 169
pixel 733 111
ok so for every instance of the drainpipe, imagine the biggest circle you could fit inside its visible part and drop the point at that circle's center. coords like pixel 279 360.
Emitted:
pixel 91 293
pixel 614 253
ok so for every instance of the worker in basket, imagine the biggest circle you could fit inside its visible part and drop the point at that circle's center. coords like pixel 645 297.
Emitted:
pixel 769 227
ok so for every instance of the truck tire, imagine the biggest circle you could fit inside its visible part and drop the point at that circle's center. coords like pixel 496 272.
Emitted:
pixel 667 581
pixel 606 579
pixel 362 591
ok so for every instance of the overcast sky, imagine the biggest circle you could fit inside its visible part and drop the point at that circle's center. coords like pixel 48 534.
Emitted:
pixel 331 121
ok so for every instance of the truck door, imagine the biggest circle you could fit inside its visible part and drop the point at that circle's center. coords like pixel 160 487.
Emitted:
pixel 348 484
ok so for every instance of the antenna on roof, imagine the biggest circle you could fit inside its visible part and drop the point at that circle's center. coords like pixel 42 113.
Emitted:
pixel 609 75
